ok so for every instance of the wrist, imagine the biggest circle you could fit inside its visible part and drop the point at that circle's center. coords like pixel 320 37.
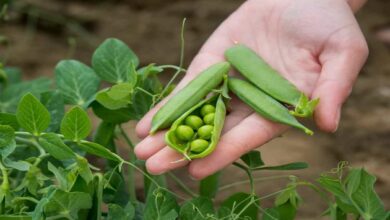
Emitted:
pixel 356 4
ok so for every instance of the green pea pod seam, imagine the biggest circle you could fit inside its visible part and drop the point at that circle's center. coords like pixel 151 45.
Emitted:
pixel 220 113
pixel 190 95
pixel 262 75
pixel 263 104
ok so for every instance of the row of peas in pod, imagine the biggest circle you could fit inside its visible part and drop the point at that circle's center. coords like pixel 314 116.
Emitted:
pixel 195 115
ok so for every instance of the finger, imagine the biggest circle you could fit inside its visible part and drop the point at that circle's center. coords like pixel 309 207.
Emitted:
pixel 150 145
pixel 238 111
pixel 165 160
pixel 340 66
pixel 252 132
pixel 212 52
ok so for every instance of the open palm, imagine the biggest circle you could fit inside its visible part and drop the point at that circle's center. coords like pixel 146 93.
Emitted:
pixel 317 45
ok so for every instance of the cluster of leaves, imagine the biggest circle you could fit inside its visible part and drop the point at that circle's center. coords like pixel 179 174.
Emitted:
pixel 46 170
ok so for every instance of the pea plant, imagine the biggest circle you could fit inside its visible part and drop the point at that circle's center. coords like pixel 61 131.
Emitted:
pixel 51 159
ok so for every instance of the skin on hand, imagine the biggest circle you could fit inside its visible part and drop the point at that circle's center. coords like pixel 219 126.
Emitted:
pixel 317 45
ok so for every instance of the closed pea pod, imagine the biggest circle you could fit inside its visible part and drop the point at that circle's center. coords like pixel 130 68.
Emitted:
pixel 263 76
pixel 190 95
pixel 210 134
pixel 263 104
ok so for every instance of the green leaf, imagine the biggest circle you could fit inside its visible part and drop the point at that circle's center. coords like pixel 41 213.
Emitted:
pixel 83 169
pixel 116 212
pixel 104 133
pixel 67 203
pixel 60 175
pixel 200 208
pixel 10 97
pixel 118 96
pixel 118 116
pixel 142 102
pixel 8 150
pixel 161 205
pixel 76 81
pixel 99 150
pixel 56 147
pixel 17 165
pixel 353 181
pixel 224 213
pixel 335 213
pixel 32 115
pixel 209 186
pixel 365 196
pixel 14 75
pixel 15 217
pixel 252 159
pixel 289 166
pixel 146 71
pixel 114 62
pixel 9 119
pixel 243 203
pixel 54 103
pixel 284 211
pixel 7 135
pixel 76 124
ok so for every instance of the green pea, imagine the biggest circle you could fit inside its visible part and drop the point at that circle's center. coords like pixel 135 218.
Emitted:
pixel 264 104
pixel 264 77
pixel 194 122
pixel 184 132
pixel 205 131
pixel 207 109
pixel 199 145
pixel 209 119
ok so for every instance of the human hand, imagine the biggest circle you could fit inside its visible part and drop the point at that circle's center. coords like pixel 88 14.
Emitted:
pixel 317 45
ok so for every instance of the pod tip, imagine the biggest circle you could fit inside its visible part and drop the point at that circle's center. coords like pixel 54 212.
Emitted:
pixel 308 132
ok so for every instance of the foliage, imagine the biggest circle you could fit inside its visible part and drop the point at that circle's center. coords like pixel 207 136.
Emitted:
pixel 46 164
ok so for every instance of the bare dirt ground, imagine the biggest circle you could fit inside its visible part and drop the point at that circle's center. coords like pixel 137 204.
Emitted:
pixel 151 28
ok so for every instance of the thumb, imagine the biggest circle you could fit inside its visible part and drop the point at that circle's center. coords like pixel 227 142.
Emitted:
pixel 340 67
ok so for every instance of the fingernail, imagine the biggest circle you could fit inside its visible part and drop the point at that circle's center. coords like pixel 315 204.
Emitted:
pixel 337 120
pixel 194 178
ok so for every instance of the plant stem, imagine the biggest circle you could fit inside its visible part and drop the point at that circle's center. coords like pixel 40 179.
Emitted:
pixel 182 185
pixel 250 176
pixel 32 142
pixel 178 71
pixel 130 172
pixel 260 179
pixel 177 68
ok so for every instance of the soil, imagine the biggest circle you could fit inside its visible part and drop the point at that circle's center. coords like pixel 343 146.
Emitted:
pixel 151 27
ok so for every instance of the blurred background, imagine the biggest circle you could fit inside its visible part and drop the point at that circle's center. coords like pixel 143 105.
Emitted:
pixel 38 33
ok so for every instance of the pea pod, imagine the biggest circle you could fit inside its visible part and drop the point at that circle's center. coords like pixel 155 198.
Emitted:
pixel 200 146
pixel 190 95
pixel 262 75
pixel 263 104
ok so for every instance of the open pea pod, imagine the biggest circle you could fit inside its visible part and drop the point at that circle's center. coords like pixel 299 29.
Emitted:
pixel 198 144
